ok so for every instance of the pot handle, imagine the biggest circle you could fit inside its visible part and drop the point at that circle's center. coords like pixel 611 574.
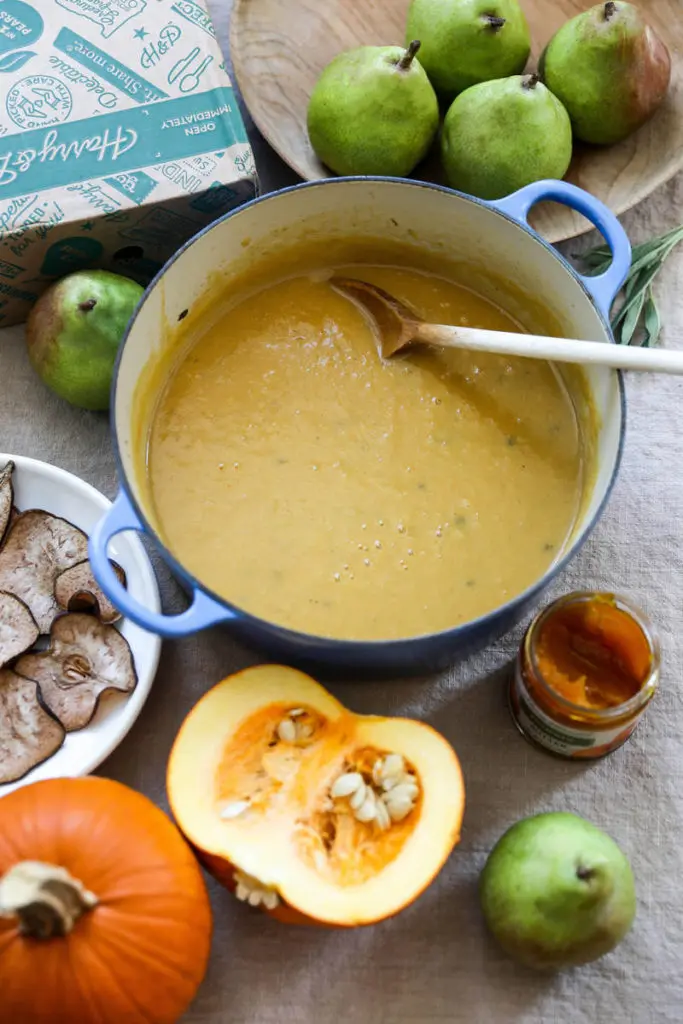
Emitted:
pixel 204 611
pixel 605 287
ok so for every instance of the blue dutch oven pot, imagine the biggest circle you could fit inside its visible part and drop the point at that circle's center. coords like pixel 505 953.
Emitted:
pixel 487 235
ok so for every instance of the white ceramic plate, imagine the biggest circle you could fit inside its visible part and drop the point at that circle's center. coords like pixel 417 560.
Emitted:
pixel 39 485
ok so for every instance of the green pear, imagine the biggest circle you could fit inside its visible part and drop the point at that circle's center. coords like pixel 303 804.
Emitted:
pixel 502 135
pixel 465 42
pixel 556 892
pixel 373 111
pixel 610 69
pixel 74 331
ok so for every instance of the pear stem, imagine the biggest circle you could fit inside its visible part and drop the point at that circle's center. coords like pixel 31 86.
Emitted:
pixel 610 9
pixel 494 22
pixel 407 58
pixel 530 81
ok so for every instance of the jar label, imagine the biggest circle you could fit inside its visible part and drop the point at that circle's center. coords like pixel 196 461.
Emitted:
pixel 566 741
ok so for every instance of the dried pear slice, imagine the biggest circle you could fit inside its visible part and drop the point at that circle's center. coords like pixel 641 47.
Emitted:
pixel 18 629
pixel 29 734
pixel 86 658
pixel 6 497
pixel 39 547
pixel 76 590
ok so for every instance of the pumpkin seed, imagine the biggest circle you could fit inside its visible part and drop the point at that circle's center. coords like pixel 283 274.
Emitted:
pixel 390 783
pixel 286 731
pixel 399 808
pixel 404 789
pixel 358 797
pixel 346 784
pixel 398 791
pixel 234 809
pixel 368 809
pixel 270 899
pixel 393 765
pixel 383 817
pixel 249 890
pixel 291 730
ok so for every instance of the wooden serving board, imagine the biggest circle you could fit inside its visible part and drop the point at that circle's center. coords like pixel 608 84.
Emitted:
pixel 279 47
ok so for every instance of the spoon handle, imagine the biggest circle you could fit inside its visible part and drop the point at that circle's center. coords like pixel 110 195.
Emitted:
pixel 559 350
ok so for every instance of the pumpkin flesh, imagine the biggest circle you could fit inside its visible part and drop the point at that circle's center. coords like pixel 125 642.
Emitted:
pixel 323 862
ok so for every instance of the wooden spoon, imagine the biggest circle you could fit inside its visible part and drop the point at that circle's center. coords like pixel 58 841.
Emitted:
pixel 398 327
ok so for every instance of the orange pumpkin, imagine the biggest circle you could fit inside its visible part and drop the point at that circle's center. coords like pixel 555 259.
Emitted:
pixel 308 811
pixel 104 915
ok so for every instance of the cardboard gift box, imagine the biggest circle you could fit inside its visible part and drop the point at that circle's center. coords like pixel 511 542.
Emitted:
pixel 120 138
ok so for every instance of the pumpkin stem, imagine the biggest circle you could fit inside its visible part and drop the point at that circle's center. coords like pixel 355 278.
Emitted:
pixel 45 898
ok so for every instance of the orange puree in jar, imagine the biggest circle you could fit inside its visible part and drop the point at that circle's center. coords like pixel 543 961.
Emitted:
pixel 587 669
pixel 593 654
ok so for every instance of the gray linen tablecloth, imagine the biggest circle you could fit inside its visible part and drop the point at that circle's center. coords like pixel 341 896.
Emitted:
pixel 434 962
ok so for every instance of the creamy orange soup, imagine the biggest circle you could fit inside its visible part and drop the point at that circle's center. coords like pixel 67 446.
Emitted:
pixel 307 481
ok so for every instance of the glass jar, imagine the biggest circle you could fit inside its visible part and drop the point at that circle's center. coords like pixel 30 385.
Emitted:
pixel 586 671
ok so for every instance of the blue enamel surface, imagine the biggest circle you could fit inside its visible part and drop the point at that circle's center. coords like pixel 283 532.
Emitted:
pixel 203 612
pixel 603 289
pixel 416 655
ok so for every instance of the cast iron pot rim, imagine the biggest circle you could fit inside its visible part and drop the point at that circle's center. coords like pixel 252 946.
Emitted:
pixel 331 645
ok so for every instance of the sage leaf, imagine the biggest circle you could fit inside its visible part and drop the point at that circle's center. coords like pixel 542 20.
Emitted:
pixel 629 322
pixel 652 322
pixel 636 314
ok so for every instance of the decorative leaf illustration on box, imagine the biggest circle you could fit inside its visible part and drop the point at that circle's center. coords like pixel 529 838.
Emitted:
pixel 15 61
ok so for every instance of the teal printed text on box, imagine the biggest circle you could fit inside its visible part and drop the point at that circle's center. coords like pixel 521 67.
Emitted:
pixel 107 67
pixel 135 184
pixel 110 15
pixel 120 141
pixel 195 13
pixel 20 25
pixel 120 138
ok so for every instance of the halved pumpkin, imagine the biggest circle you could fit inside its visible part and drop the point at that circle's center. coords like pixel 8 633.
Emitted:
pixel 316 814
